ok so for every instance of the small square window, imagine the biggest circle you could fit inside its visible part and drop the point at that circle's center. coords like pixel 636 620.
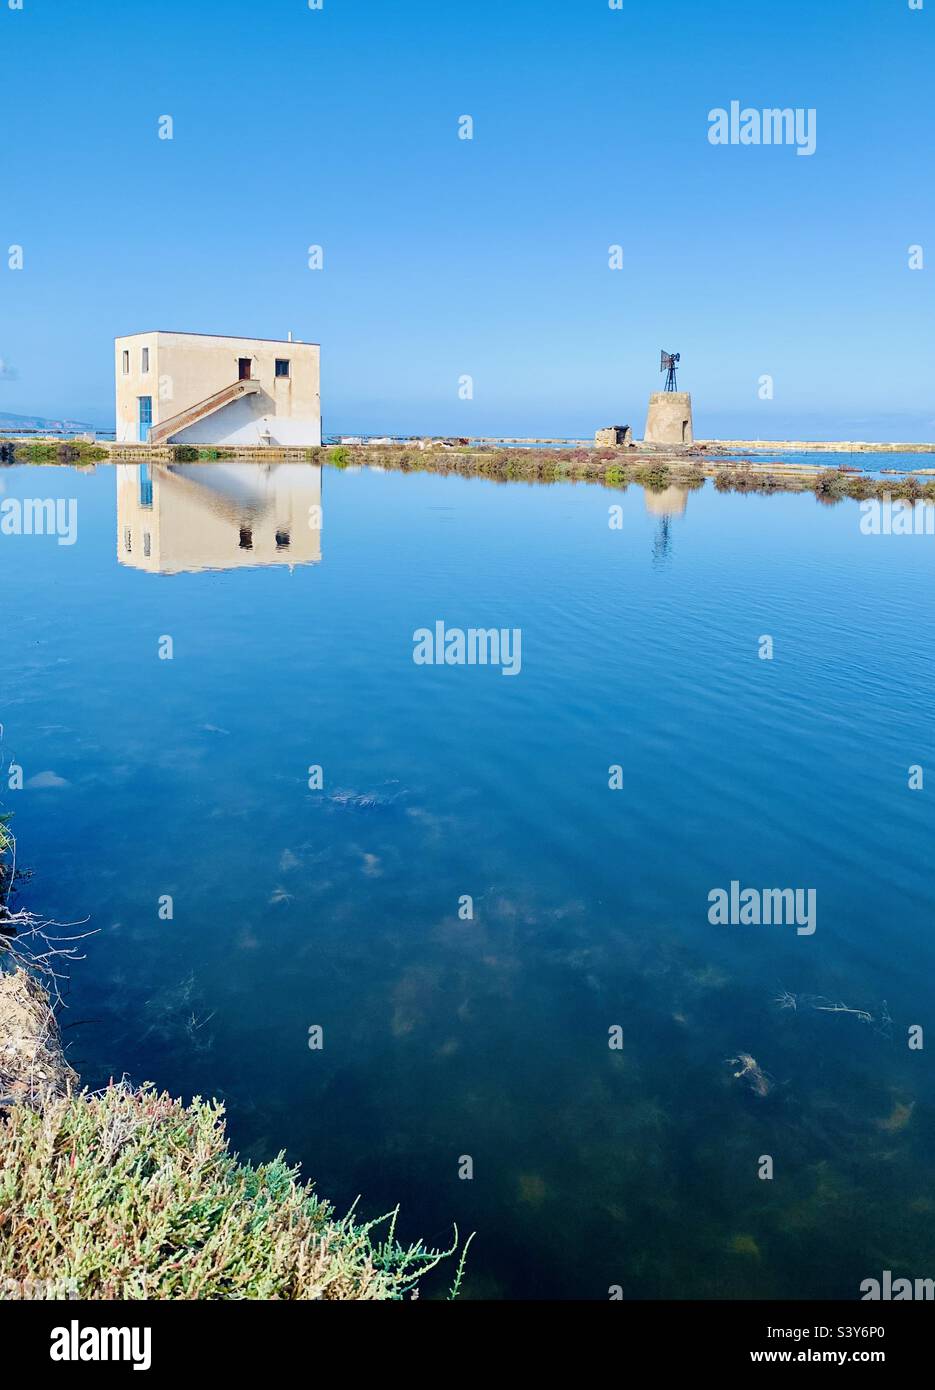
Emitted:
pixel 126 361
pixel 282 366
pixel 144 360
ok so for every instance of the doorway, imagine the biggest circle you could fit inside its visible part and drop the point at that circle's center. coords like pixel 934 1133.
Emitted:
pixel 243 368
pixel 145 417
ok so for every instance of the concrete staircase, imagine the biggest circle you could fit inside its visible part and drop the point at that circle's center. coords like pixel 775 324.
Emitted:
pixel 158 434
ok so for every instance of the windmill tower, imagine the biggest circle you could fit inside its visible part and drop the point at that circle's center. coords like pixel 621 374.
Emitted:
pixel 669 420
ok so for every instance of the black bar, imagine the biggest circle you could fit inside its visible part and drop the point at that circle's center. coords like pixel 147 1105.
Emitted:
pixel 663 1338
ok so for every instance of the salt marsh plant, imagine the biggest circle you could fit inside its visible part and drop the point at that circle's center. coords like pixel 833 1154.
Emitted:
pixel 655 476
pixel 129 1194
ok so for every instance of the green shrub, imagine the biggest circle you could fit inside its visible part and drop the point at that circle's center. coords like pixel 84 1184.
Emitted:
pixel 339 457
pixel 655 476
pixel 129 1194
pixel 185 453
pixel 59 451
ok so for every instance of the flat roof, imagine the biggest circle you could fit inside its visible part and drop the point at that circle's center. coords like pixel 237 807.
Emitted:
pixel 231 337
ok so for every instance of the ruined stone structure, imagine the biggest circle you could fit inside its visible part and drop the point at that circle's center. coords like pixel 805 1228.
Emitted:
pixel 619 435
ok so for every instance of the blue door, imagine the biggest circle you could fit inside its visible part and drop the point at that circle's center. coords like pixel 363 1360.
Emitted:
pixel 146 417
pixel 146 485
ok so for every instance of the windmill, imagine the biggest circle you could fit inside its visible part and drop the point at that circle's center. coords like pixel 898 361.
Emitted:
pixel 668 364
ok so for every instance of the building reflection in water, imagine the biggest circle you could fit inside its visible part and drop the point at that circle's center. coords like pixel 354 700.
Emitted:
pixel 666 503
pixel 173 518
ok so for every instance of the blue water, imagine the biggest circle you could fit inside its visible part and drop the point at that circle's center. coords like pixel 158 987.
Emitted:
pixel 447 1038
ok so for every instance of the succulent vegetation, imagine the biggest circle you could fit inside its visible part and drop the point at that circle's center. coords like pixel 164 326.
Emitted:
pixel 128 1194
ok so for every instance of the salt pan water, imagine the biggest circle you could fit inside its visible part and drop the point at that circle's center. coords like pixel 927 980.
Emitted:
pixel 487 899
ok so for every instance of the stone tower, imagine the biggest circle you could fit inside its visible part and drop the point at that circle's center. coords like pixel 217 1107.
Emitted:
pixel 669 420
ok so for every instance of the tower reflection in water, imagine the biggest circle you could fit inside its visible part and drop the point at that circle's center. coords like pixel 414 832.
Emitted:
pixel 666 503
pixel 178 518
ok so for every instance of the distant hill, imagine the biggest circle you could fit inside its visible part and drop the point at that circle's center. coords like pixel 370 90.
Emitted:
pixel 14 424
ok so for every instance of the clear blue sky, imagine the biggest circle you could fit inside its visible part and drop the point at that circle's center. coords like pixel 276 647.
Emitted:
pixel 446 257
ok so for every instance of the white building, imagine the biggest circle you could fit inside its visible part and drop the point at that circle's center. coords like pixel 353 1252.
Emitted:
pixel 194 388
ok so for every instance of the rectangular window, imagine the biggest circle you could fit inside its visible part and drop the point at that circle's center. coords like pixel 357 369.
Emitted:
pixel 144 360
pixel 282 366
pixel 126 361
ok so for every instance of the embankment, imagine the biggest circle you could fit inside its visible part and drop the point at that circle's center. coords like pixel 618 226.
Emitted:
pixel 612 467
